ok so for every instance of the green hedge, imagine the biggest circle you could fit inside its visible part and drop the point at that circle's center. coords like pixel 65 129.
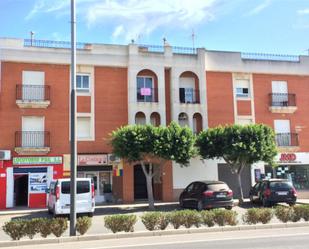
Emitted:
pixel 120 222
pixel 256 215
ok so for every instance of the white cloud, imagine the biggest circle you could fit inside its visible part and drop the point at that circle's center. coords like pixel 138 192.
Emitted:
pixel 257 9
pixel 133 18
pixel 303 12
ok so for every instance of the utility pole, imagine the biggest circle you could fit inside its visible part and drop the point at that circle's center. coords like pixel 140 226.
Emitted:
pixel 73 123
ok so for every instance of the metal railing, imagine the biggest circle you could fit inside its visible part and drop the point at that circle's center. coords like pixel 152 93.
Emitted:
pixel 147 94
pixel 282 99
pixel 32 139
pixel 160 49
pixel 52 44
pixel 189 96
pixel 287 139
pixel 270 57
pixel 32 93
pixel 184 50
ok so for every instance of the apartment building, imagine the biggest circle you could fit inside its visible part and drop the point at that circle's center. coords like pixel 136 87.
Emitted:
pixel 140 84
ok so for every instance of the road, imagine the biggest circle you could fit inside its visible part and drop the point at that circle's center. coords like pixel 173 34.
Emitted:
pixel 286 238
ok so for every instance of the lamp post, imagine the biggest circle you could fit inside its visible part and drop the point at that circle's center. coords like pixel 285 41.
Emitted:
pixel 73 124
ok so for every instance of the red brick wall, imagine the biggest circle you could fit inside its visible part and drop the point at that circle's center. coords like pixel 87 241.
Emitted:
pixel 296 84
pixel 219 98
pixel 56 115
pixel 84 104
pixel 243 107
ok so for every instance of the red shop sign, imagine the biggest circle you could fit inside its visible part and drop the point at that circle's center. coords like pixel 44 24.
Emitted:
pixel 287 157
pixel 92 159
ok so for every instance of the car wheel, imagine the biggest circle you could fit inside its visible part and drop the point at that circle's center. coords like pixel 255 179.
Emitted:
pixel 229 207
pixel 90 214
pixel 181 204
pixel 54 213
pixel 199 205
pixel 251 199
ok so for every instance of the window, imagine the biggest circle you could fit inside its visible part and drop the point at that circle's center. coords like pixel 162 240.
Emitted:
pixel 187 92
pixel 82 83
pixel 82 187
pixel 242 89
pixel 145 90
pixel 183 119
pixel 83 127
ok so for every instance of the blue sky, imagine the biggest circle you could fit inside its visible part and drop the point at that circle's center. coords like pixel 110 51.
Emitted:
pixel 272 26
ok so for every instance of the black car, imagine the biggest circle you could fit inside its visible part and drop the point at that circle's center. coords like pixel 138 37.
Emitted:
pixel 272 191
pixel 206 195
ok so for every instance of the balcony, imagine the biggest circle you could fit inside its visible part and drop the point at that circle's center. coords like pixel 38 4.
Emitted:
pixel 282 103
pixel 32 142
pixel 189 96
pixel 287 141
pixel 147 94
pixel 32 96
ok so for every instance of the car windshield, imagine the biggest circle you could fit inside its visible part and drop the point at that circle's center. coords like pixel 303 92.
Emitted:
pixel 217 187
pixel 280 185
pixel 82 187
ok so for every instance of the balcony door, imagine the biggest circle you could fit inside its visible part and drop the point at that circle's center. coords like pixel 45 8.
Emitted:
pixel 283 132
pixel 280 93
pixel 33 86
pixel 33 132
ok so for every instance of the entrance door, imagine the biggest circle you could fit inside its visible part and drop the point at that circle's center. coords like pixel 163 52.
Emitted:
pixel 33 132
pixel 140 185
pixel 33 85
pixel 21 190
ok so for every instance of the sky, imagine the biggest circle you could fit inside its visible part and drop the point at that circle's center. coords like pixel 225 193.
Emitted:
pixel 266 26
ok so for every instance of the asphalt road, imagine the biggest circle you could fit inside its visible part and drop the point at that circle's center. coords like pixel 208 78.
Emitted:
pixel 286 238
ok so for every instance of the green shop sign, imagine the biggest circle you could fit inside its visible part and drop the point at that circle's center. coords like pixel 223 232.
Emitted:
pixel 37 160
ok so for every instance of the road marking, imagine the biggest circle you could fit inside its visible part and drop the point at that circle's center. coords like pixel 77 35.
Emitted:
pixel 197 241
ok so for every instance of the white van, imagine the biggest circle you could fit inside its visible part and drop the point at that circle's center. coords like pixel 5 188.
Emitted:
pixel 59 196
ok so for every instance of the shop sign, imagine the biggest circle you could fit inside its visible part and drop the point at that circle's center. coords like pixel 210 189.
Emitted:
pixel 84 160
pixel 37 160
pixel 288 157
pixel 37 182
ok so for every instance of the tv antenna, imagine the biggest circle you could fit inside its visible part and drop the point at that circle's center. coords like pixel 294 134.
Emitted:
pixel 193 39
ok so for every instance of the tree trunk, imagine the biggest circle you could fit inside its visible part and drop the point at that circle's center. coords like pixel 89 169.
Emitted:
pixel 241 195
pixel 149 176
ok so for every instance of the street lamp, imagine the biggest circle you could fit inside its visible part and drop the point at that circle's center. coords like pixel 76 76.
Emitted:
pixel 73 123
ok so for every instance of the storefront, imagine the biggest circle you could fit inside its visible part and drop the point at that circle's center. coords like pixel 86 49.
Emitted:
pixel 27 178
pixel 295 167
pixel 96 166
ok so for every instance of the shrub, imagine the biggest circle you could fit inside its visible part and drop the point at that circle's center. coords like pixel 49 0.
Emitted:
pixel 15 228
pixel 297 213
pixel 301 211
pixel 163 221
pixel 256 215
pixel 176 218
pixel 284 214
pixel 187 218
pixel 45 227
pixel 59 226
pixel 265 215
pixel 207 218
pixel 32 227
pixel 120 222
pixel 151 220
pixel 225 217
pixel 83 224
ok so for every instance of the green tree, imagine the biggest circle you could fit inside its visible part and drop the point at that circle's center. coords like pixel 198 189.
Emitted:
pixel 152 146
pixel 240 146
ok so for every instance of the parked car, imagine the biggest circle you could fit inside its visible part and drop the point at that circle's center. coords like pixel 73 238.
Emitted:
pixel 206 195
pixel 273 191
pixel 59 196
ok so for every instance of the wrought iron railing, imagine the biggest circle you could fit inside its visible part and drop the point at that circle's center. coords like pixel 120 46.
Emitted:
pixel 32 93
pixel 184 50
pixel 270 57
pixel 147 94
pixel 287 139
pixel 189 96
pixel 282 99
pixel 52 44
pixel 32 139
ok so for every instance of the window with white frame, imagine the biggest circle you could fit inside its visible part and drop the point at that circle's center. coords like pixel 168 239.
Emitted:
pixel 145 90
pixel 242 88
pixel 83 127
pixel 83 83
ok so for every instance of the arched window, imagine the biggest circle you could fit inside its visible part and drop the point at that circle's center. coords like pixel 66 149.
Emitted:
pixel 155 119
pixel 189 88
pixel 147 86
pixel 140 118
pixel 197 123
pixel 183 119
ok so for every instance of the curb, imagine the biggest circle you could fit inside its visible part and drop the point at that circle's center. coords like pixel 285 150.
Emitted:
pixel 150 234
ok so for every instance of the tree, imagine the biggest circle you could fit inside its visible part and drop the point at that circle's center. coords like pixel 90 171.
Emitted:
pixel 152 146
pixel 240 146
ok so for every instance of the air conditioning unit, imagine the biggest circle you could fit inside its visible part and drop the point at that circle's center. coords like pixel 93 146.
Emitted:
pixel 5 155
pixel 113 159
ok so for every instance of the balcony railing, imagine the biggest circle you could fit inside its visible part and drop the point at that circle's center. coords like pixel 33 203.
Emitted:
pixel 287 139
pixel 282 99
pixel 147 94
pixel 189 96
pixel 32 139
pixel 32 93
